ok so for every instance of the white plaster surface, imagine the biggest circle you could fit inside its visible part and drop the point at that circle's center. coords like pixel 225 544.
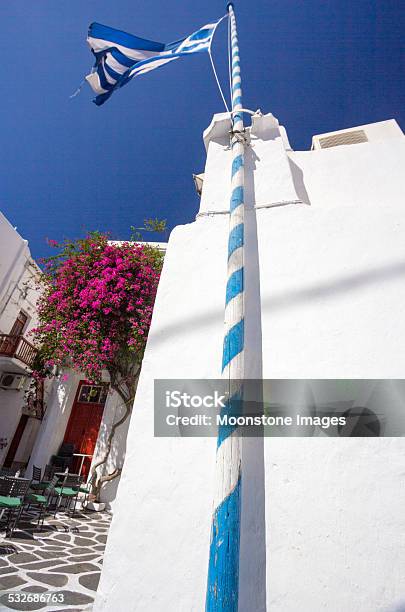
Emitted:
pixel 381 130
pixel 330 510
pixel 113 411
pixel 59 401
pixel 264 157
pixel 18 277
pixel 18 291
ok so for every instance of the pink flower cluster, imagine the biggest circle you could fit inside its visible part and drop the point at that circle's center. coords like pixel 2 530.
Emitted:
pixel 98 304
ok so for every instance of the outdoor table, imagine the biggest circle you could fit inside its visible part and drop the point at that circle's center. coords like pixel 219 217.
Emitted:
pixel 83 456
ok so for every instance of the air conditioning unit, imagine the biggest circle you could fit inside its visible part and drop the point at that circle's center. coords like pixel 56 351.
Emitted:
pixel 336 139
pixel 10 380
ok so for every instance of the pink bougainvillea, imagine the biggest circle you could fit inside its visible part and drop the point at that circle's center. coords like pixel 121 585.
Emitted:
pixel 96 309
pixel 94 313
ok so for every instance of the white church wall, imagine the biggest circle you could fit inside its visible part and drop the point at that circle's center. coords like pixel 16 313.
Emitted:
pixel 333 309
pixel 364 174
pixel 328 509
pixel 265 154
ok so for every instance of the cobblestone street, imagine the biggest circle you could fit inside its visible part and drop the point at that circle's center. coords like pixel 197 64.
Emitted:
pixel 65 557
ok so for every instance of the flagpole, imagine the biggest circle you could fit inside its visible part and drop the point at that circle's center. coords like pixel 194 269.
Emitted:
pixel 223 570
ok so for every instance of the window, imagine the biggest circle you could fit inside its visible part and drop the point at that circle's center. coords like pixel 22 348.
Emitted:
pixel 92 394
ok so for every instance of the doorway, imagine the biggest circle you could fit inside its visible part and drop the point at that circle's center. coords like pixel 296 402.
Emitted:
pixel 84 424
pixel 10 343
pixel 15 442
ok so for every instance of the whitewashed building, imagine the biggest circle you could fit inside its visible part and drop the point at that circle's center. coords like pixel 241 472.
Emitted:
pixel 19 276
pixel 322 518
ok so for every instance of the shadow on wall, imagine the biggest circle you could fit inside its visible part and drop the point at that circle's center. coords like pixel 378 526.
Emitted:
pixel 298 180
pixel 292 299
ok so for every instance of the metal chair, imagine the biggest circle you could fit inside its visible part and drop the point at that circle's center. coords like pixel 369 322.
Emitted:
pixel 13 500
pixel 49 471
pixel 36 473
pixel 5 488
pixel 11 471
pixel 68 491
pixel 5 471
pixel 5 485
pixel 43 482
pixel 40 484
pixel 43 499
pixel 85 488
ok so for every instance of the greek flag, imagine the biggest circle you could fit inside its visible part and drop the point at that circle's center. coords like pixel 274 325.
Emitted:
pixel 120 56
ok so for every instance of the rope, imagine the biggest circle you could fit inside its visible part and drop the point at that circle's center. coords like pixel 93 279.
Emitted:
pixel 217 80
pixel 78 90
pixel 212 61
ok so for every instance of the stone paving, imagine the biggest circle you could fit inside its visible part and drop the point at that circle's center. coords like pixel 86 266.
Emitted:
pixel 65 557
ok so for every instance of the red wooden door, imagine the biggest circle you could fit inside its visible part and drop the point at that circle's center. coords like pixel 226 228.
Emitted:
pixel 84 422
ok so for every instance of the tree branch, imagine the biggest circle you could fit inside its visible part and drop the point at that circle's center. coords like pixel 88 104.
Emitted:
pixel 97 482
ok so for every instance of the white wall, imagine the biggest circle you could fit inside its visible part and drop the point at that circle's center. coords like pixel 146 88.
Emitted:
pixel 13 252
pixel 18 291
pixel 18 277
pixel 59 402
pixel 113 411
pixel 332 290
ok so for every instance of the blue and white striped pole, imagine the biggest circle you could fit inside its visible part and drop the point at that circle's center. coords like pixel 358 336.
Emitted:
pixel 223 571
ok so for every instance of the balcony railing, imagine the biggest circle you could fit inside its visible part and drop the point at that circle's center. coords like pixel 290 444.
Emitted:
pixel 17 347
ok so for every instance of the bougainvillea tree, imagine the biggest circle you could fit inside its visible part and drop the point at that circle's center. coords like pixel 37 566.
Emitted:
pixel 95 315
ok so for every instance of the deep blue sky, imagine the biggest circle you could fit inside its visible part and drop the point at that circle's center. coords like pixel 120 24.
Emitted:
pixel 67 166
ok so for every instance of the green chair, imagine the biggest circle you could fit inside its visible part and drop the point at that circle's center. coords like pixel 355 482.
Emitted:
pixel 12 494
pixel 42 483
pixel 68 492
pixel 37 476
pixel 42 500
pixel 86 489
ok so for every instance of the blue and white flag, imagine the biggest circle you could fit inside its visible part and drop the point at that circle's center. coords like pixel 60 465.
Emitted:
pixel 120 56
